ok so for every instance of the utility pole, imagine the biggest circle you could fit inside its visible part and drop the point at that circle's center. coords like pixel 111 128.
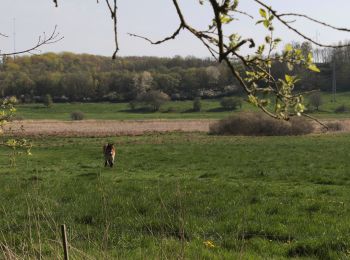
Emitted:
pixel 14 38
pixel 334 80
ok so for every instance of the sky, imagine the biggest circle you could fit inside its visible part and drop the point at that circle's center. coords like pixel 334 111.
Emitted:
pixel 87 26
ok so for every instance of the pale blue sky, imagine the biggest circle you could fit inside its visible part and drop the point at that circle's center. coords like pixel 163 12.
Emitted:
pixel 87 27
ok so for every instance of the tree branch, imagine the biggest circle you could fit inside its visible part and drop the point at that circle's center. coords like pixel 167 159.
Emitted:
pixel 173 36
pixel 42 40
pixel 304 36
pixel 113 11
pixel 316 21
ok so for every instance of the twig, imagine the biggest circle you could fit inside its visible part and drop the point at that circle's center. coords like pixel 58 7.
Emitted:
pixel 42 40
pixel 304 36
pixel 316 120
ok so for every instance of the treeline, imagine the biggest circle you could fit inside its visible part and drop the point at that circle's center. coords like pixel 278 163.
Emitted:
pixel 83 77
pixel 72 77
pixel 330 61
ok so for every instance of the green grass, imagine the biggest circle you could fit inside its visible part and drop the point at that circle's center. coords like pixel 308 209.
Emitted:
pixel 328 107
pixel 211 109
pixel 254 198
pixel 121 111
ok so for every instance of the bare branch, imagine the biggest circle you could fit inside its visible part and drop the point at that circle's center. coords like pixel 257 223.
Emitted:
pixel 42 40
pixel 287 24
pixel 216 8
pixel 316 21
pixel 237 46
pixel 113 12
pixel 173 36
pixel 244 13
pixel 316 120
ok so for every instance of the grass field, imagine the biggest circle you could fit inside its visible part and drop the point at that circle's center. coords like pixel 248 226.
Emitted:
pixel 211 109
pixel 121 111
pixel 175 195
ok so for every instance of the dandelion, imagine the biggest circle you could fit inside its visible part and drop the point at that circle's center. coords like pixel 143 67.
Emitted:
pixel 209 244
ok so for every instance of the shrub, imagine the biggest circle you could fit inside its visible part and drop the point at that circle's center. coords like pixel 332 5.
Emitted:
pixel 335 126
pixel 175 96
pixel 47 100
pixel 258 124
pixel 230 103
pixel 315 100
pixel 171 110
pixel 77 115
pixel 133 105
pixel 300 126
pixel 153 98
pixel 342 109
pixel 112 97
pixel 197 104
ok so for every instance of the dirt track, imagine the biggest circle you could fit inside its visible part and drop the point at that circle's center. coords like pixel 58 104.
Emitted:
pixel 127 127
pixel 106 128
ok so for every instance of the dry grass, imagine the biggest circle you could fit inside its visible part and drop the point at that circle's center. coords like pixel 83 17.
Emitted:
pixel 101 128
pixel 105 128
pixel 334 125
pixel 259 124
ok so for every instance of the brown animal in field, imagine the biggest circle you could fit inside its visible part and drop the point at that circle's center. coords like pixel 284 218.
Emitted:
pixel 109 154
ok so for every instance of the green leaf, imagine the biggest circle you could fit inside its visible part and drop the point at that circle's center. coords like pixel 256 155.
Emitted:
pixel 288 48
pixel 289 79
pixel 267 39
pixel 253 100
pixel 264 102
pixel 310 57
pixel 235 5
pixel 290 66
pixel 314 68
pixel 299 108
pixel 266 23
pixel 262 13
pixel 226 19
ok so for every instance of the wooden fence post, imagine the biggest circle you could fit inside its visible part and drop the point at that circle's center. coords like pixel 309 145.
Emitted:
pixel 64 242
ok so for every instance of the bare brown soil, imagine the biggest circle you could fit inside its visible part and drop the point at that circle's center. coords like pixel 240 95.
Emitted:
pixel 117 128
pixel 105 128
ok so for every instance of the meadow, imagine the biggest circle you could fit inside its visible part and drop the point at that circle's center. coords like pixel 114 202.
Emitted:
pixel 177 196
pixel 211 109
pixel 122 111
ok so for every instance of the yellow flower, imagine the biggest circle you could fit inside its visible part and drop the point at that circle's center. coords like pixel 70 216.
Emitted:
pixel 209 244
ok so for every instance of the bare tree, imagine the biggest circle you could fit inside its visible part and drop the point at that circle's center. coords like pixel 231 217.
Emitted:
pixel 315 100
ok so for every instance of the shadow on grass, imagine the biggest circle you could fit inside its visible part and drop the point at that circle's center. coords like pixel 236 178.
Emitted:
pixel 90 175
pixel 36 107
pixel 219 109
pixel 188 111
pixel 142 110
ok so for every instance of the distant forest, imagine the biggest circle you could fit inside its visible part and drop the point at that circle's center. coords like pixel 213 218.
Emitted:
pixel 82 77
